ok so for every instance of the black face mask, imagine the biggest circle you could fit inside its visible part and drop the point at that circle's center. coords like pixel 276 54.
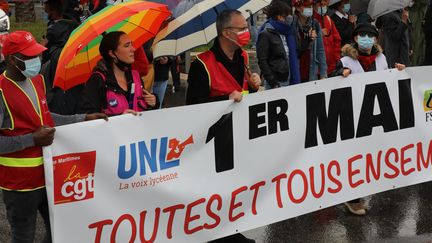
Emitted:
pixel 122 65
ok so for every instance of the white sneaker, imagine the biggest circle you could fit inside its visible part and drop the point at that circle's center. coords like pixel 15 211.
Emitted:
pixel 356 208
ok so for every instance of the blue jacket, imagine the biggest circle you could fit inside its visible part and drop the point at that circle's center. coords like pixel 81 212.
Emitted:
pixel 318 62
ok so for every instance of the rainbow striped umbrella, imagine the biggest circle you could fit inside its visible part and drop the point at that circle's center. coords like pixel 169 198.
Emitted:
pixel 139 19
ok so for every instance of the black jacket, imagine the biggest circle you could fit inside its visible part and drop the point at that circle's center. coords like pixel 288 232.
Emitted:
pixel 57 35
pixel 59 101
pixel 272 57
pixel 395 38
pixel 162 70
pixel 344 27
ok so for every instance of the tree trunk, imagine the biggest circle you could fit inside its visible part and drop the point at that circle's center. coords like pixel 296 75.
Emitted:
pixel 25 11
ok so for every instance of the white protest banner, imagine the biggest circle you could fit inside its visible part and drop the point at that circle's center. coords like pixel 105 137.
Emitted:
pixel 196 173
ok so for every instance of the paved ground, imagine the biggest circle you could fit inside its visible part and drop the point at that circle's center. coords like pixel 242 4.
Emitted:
pixel 402 215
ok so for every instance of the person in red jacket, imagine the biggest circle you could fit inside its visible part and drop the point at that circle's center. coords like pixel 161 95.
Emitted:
pixel 331 37
pixel 141 63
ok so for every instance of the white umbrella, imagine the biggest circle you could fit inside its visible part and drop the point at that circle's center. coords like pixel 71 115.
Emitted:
pixel 333 2
pixel 197 26
pixel 378 8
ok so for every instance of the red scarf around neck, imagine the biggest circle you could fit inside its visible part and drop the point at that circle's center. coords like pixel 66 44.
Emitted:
pixel 366 61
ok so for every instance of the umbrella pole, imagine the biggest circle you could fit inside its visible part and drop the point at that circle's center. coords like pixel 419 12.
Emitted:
pixel 322 18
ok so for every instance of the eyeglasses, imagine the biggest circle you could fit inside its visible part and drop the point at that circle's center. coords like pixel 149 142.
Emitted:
pixel 239 28
pixel 361 33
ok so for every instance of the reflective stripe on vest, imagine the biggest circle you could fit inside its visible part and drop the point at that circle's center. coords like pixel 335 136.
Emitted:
pixel 23 190
pixel 21 162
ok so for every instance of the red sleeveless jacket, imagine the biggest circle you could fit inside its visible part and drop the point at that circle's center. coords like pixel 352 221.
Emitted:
pixel 23 170
pixel 221 82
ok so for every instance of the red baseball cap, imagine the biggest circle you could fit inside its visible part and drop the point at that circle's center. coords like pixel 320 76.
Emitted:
pixel 21 42
pixel 302 2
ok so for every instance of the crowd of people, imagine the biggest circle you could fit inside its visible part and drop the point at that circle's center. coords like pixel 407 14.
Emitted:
pixel 301 41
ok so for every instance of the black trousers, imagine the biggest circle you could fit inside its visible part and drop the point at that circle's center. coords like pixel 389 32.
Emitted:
pixel 21 211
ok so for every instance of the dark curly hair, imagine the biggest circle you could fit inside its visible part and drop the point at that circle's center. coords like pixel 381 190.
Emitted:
pixel 277 8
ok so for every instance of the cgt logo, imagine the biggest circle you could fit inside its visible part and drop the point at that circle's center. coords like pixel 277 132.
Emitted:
pixel 168 157
pixel 74 177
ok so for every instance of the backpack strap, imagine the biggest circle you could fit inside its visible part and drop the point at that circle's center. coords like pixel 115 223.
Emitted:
pixel 104 89
pixel 101 75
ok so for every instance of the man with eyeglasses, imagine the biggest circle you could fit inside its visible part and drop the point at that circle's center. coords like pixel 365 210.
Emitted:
pixel 223 73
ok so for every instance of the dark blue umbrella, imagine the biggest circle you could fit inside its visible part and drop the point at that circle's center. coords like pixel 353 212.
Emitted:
pixel 194 24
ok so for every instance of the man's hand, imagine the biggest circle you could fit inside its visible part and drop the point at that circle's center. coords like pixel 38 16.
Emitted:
pixel 325 31
pixel 43 136
pixel 254 81
pixel 149 98
pixel 95 116
pixel 399 66
pixel 352 19
pixel 130 111
pixel 163 60
pixel 313 34
pixel 236 96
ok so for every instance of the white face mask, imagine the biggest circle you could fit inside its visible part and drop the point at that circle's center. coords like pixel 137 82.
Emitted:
pixel 321 10
pixel 346 7
pixel 307 12
pixel 289 19
pixel 32 67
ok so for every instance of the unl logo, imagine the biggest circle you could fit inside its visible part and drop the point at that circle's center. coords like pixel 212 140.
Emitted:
pixel 74 177
pixel 427 101
pixel 142 153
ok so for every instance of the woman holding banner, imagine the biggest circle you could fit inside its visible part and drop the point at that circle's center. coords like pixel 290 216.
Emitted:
pixel 364 55
pixel 114 87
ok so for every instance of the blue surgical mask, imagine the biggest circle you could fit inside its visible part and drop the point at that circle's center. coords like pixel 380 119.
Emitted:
pixel 322 10
pixel 45 18
pixel 307 12
pixel 289 19
pixel 32 67
pixel 365 42
pixel 347 7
